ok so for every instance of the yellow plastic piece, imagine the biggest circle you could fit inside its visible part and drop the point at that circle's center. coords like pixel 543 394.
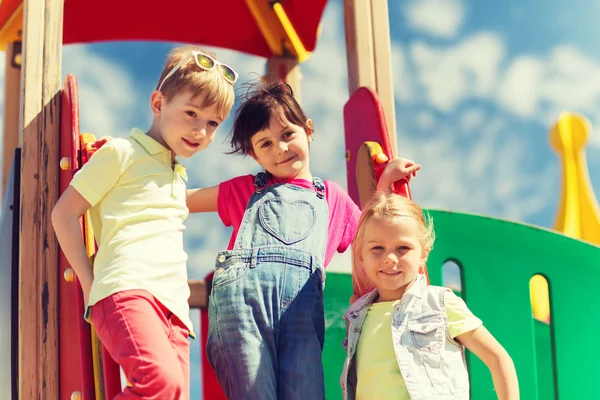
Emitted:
pixel 90 246
pixel 578 211
pixel 69 275
pixel 87 138
pixel 65 163
pixel 297 44
pixel 381 158
pixel 76 396
pixel 540 298
pixel 11 30
pixel 277 29
pixel 366 180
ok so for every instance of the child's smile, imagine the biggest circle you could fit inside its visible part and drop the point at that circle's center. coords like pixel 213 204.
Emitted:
pixel 282 149
pixel 391 255
pixel 191 143
pixel 391 273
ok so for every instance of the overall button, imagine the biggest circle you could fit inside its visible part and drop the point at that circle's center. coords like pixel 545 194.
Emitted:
pixel 220 270
pixel 222 257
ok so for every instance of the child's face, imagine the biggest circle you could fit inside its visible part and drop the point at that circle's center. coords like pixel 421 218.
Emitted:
pixel 282 149
pixel 391 255
pixel 185 126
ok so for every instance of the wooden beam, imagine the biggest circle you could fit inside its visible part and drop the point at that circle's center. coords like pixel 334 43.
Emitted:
pixel 199 294
pixel 288 69
pixel 359 45
pixel 382 49
pixel 12 102
pixel 38 256
pixel 368 52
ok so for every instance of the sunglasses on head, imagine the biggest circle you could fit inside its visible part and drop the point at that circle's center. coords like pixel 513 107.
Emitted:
pixel 206 63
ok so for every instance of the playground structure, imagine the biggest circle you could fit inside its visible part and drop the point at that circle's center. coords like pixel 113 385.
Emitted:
pixel 54 353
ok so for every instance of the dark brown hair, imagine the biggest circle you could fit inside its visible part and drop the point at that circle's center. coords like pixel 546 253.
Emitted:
pixel 261 102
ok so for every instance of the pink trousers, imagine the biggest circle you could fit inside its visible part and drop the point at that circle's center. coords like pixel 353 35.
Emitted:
pixel 148 341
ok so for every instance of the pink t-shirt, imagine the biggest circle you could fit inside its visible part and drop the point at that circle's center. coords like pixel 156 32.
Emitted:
pixel 234 195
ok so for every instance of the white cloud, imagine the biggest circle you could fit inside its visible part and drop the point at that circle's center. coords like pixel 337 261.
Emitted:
pixel 488 176
pixel 470 120
pixel 425 120
pixel 451 75
pixel 540 88
pixel 439 18
pixel 403 84
pixel 520 88
pixel 107 93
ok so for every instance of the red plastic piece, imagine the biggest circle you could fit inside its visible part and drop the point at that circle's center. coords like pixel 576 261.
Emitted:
pixel 364 121
pixel 76 370
pixel 230 25
pixel 210 385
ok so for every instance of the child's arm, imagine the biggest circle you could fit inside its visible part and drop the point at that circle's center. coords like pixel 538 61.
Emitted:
pixel 202 200
pixel 396 169
pixel 65 219
pixel 481 342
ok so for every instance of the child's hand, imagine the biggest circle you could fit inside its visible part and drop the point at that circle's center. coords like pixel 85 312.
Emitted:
pixel 93 147
pixel 397 169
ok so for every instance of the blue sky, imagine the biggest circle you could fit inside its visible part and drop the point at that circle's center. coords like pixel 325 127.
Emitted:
pixel 477 85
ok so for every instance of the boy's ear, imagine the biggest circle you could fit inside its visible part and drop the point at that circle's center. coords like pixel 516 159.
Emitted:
pixel 156 102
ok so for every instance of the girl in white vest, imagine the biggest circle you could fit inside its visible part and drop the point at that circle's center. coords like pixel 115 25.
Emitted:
pixel 405 338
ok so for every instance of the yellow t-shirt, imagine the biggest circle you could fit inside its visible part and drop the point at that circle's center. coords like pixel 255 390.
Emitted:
pixel 378 375
pixel 138 199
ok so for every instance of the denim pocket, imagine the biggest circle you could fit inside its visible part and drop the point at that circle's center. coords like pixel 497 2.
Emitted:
pixel 289 222
pixel 227 274
pixel 426 332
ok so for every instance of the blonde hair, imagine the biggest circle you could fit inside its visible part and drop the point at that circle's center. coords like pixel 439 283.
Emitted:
pixel 209 84
pixel 387 206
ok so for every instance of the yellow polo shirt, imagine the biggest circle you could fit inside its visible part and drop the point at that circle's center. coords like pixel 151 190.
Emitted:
pixel 377 371
pixel 138 199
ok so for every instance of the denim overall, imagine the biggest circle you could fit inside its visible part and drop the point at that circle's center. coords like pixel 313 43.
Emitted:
pixel 266 317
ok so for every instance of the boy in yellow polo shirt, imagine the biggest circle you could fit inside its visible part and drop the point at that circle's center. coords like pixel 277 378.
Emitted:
pixel 137 292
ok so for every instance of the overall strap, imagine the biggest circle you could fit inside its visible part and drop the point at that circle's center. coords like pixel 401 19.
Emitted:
pixel 261 181
pixel 319 187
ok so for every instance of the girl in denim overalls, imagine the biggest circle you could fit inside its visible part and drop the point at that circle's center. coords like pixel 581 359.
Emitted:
pixel 266 305
pixel 405 338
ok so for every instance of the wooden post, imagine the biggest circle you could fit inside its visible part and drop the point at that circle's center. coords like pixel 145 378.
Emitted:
pixel 288 69
pixel 38 256
pixel 359 45
pixel 199 294
pixel 383 65
pixel 12 102
pixel 368 49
